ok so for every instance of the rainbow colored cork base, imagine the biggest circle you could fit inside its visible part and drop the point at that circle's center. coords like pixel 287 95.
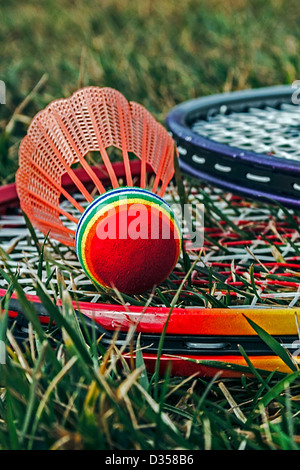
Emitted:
pixel 128 238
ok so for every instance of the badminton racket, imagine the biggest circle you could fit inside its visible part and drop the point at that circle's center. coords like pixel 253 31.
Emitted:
pixel 209 321
pixel 246 142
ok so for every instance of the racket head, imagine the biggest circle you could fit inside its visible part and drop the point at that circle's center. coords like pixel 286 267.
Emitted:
pixel 250 173
pixel 199 333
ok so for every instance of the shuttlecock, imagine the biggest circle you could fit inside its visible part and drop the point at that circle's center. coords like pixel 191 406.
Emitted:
pixel 125 237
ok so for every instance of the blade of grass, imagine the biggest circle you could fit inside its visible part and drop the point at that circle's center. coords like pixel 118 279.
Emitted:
pixel 13 435
pixel 140 364
pixel 62 322
pixel 278 388
pixel 65 369
pixel 32 392
pixel 32 232
pixel 273 344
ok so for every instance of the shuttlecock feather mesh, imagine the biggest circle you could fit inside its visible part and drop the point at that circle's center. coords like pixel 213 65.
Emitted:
pixel 91 120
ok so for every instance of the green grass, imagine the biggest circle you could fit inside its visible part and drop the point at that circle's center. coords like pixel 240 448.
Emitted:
pixel 155 52
pixel 70 393
pixel 159 53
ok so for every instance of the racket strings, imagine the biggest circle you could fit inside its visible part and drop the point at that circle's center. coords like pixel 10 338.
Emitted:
pixel 269 130
pixel 269 246
pixel 250 256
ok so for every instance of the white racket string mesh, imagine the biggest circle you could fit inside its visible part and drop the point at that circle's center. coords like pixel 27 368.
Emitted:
pixel 274 131
pixel 238 235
